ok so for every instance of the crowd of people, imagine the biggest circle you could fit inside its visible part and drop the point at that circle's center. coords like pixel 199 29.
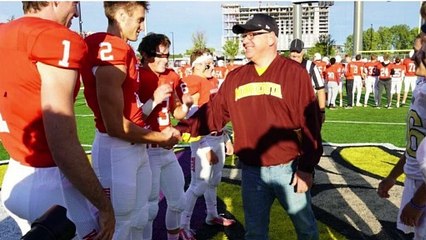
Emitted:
pixel 116 195
pixel 360 75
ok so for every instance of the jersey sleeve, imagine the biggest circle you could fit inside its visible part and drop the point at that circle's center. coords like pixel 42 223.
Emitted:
pixel 193 84
pixel 58 47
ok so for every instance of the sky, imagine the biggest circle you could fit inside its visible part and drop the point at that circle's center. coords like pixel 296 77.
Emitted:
pixel 181 19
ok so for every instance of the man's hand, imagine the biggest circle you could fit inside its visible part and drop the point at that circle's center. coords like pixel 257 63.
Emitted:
pixel 162 93
pixel 229 147
pixel 212 158
pixel 172 137
pixel 187 100
pixel 410 216
pixel 302 181
pixel 384 186
pixel 106 224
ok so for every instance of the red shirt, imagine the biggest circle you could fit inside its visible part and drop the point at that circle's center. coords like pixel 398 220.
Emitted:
pixel 149 81
pixel 205 87
pixel 410 67
pixel 24 42
pixel 106 49
pixel 398 70
pixel 385 71
pixel 270 113
pixel 333 73
pixel 354 68
pixel 321 65
pixel 371 68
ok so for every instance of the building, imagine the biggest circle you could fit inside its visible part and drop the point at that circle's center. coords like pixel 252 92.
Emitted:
pixel 314 20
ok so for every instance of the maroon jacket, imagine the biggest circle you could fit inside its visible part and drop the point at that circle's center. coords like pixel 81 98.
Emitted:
pixel 275 116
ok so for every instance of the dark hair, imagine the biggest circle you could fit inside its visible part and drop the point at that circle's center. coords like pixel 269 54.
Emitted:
pixel 150 43
pixel 110 7
pixel 36 6
pixel 332 60
pixel 358 57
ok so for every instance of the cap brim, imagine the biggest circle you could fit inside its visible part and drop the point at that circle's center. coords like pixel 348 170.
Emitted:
pixel 242 28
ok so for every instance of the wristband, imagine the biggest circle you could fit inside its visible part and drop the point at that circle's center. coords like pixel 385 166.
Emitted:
pixel 418 207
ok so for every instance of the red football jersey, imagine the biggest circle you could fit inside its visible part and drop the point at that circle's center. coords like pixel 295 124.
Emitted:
pixel 410 67
pixel 24 42
pixel 202 85
pixel 354 68
pixel 332 73
pixel 398 70
pixel 106 49
pixel 149 81
pixel 385 71
pixel 371 68
pixel 321 65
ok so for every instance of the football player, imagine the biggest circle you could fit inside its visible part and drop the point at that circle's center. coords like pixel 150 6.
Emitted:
pixel 372 73
pixel 40 63
pixel 410 78
pixel 119 154
pixel 160 91
pixel 207 152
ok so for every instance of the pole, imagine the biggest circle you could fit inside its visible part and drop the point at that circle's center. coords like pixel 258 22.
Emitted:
pixel 173 47
pixel 80 21
pixel 371 37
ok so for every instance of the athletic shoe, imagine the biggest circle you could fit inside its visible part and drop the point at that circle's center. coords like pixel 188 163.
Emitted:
pixel 348 107
pixel 220 220
pixel 358 105
pixel 186 234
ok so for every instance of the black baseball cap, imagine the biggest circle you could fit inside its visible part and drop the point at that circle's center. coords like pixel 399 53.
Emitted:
pixel 296 45
pixel 257 22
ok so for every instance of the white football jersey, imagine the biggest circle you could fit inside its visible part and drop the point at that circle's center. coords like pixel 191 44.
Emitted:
pixel 416 131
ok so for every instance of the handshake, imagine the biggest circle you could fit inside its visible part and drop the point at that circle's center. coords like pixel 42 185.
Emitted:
pixel 172 137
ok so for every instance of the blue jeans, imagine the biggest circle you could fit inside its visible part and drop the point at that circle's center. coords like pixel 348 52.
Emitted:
pixel 260 187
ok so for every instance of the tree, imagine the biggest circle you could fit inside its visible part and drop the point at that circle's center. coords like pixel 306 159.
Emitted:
pixel 231 48
pixel 324 46
pixel 199 42
pixel 11 18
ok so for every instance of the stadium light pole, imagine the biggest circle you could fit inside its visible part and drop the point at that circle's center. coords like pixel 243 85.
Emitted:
pixel 371 37
pixel 173 48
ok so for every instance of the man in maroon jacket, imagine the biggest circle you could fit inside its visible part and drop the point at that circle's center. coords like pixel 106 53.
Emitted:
pixel 279 150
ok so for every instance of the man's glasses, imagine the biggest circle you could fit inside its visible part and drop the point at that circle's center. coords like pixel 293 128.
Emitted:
pixel 162 55
pixel 251 35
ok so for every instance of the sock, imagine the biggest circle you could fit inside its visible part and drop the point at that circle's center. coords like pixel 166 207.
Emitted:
pixel 172 236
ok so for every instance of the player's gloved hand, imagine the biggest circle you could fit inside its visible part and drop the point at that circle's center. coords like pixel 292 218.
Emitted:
pixel 212 158
pixel 384 186
pixel 162 93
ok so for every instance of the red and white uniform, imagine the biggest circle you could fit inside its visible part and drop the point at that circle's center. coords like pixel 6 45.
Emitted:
pixel 332 76
pixel 33 182
pixel 167 174
pixel 356 68
pixel 122 167
pixel 204 177
pixel 372 72
pixel 410 79
pixel 321 65
pixel 397 76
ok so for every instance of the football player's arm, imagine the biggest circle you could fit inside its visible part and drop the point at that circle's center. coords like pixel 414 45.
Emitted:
pixel 57 87
pixel 411 213
pixel 181 108
pixel 109 80
pixel 388 182
pixel 162 92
